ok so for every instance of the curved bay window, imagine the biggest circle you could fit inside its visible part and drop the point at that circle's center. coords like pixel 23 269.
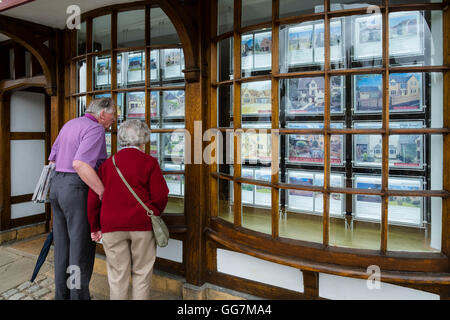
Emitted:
pixel 333 130
pixel 135 57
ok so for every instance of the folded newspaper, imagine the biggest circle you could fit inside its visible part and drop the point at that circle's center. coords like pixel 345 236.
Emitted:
pixel 41 193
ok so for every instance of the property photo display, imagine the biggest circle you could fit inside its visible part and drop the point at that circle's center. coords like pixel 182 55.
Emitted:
pixel 102 74
pixel 307 95
pixel 135 102
pixel 136 67
pixel 172 63
pixel 173 146
pixel 173 103
pixel 175 182
pixel 256 51
pixel 263 195
pixel 309 148
pixel 248 190
pixel 367 37
pixel 309 201
pixel 256 195
pixel 154 104
pixel 367 93
pixel 256 98
pixel 256 147
pixel 336 43
pixel 406 33
pixel 154 65
pixel 405 151
pixel 405 92
pixel 403 210
pixel 154 145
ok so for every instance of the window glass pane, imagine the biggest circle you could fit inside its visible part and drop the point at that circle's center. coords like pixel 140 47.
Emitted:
pixel 368 97
pixel 367 37
pixel 225 147
pixel 176 185
pixel 225 16
pixel 351 4
pixel 102 74
pixel 108 143
pixel 101 33
pixel 81 39
pixel 81 76
pixel 301 97
pixel 135 105
pixel 302 46
pixel 309 148
pixel 167 109
pixel 131 69
pixel 289 8
pixel 225 106
pixel 225 60
pixel 415 38
pixel 256 103
pixel 226 203
pixel 256 147
pixel 172 149
pixel 131 29
pixel 172 63
pixel 81 105
pixel 256 11
pixel 256 53
pixel 257 201
pixel 162 30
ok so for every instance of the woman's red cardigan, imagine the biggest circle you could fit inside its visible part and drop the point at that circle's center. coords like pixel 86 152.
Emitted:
pixel 119 210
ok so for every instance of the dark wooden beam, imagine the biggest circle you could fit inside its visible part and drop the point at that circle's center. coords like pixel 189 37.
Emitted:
pixel 5 5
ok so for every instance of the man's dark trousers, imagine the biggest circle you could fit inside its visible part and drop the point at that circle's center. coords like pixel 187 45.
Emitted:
pixel 74 251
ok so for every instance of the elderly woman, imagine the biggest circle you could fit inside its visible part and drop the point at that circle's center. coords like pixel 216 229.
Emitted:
pixel 120 221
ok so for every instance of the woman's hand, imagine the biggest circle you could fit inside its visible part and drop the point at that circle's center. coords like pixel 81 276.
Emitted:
pixel 96 236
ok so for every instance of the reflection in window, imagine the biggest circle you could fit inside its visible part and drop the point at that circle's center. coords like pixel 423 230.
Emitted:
pixel 256 53
pixel 131 29
pixel 101 33
pixel 81 39
pixel 131 69
pixel 81 76
pixel 256 11
pixel 289 8
pixel 225 16
pixel 256 102
pixel 167 108
pixel 102 75
pixel 162 30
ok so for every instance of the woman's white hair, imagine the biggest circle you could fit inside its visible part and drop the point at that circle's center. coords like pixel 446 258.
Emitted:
pixel 98 105
pixel 133 133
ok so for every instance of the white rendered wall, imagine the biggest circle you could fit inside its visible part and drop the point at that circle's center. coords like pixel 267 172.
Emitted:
pixel 173 251
pixel 27 112
pixel 248 267
pixel 21 210
pixel 342 288
pixel 27 160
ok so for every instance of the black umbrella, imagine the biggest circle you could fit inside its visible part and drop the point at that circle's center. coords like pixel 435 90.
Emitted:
pixel 43 255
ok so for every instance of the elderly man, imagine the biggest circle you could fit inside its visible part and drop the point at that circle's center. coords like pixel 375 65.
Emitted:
pixel 78 151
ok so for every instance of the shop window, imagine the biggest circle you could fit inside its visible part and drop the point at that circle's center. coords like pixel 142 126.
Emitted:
pixel 348 135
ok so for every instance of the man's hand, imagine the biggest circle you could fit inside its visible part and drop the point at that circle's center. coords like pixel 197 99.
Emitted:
pixel 96 236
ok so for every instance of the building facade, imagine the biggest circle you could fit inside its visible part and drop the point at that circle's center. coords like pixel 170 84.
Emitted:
pixel 304 143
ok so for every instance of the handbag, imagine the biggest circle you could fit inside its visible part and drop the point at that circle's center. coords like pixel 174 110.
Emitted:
pixel 160 229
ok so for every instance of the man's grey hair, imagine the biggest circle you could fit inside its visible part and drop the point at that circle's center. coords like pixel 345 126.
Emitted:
pixel 98 105
pixel 133 133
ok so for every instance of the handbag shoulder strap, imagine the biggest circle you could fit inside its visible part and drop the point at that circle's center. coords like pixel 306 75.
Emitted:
pixel 149 212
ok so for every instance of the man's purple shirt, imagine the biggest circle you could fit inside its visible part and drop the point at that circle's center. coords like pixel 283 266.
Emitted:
pixel 81 139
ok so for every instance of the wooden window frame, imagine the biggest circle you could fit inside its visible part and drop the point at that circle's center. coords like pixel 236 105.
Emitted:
pixel 305 255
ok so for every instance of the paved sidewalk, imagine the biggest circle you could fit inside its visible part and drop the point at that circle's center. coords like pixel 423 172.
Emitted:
pixel 17 261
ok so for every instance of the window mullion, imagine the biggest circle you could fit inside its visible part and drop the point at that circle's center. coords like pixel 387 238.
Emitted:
pixel 385 133
pixel 326 126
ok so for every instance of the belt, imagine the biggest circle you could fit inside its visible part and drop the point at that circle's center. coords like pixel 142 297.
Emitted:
pixel 59 173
